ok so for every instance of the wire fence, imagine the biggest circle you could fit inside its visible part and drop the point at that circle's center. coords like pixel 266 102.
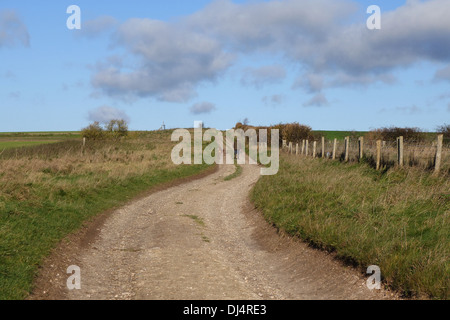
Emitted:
pixel 432 155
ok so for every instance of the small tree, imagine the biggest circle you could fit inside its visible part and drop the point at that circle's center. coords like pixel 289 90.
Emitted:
pixel 93 132
pixel 117 128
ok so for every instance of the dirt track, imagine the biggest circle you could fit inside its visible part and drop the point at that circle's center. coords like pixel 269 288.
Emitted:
pixel 199 240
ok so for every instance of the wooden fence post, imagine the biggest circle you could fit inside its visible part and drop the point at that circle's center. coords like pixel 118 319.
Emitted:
pixel 334 148
pixel 378 154
pixel 437 166
pixel 306 147
pixel 296 149
pixel 400 151
pixel 314 149
pixel 347 147
pixel 323 147
pixel 303 146
pixel 290 147
pixel 83 146
pixel 361 147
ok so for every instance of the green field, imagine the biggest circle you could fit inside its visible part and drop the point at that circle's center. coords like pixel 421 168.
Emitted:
pixel 10 140
pixel 59 134
pixel 340 135
pixel 26 143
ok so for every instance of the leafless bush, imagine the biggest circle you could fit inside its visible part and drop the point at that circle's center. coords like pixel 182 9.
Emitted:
pixel 445 130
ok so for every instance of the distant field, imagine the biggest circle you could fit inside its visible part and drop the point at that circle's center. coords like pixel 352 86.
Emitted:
pixel 10 140
pixel 340 135
pixel 24 143
pixel 41 134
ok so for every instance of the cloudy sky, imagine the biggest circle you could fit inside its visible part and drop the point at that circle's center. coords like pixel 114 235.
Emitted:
pixel 177 61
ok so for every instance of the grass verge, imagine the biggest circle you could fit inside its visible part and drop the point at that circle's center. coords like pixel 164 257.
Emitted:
pixel 48 191
pixel 237 172
pixel 398 220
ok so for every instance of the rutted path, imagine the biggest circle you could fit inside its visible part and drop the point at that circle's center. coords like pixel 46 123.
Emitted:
pixel 202 240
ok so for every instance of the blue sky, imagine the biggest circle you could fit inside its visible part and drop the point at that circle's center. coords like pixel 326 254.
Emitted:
pixel 310 61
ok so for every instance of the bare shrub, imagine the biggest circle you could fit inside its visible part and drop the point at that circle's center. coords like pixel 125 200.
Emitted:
pixel 445 130
pixel 295 132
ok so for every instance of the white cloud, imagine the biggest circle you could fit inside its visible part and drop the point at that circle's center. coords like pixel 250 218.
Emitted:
pixel 95 27
pixel 318 35
pixel 9 75
pixel 410 110
pixel 12 29
pixel 319 100
pixel 273 100
pixel 14 95
pixel 269 25
pixel 105 114
pixel 202 108
pixel 261 76
pixel 311 82
pixel 443 74
pixel 171 59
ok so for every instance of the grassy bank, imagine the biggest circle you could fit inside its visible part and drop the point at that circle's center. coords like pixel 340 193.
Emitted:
pixel 398 220
pixel 48 191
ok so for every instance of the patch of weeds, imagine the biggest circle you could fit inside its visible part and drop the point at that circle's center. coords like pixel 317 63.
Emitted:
pixel 205 238
pixel 197 219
